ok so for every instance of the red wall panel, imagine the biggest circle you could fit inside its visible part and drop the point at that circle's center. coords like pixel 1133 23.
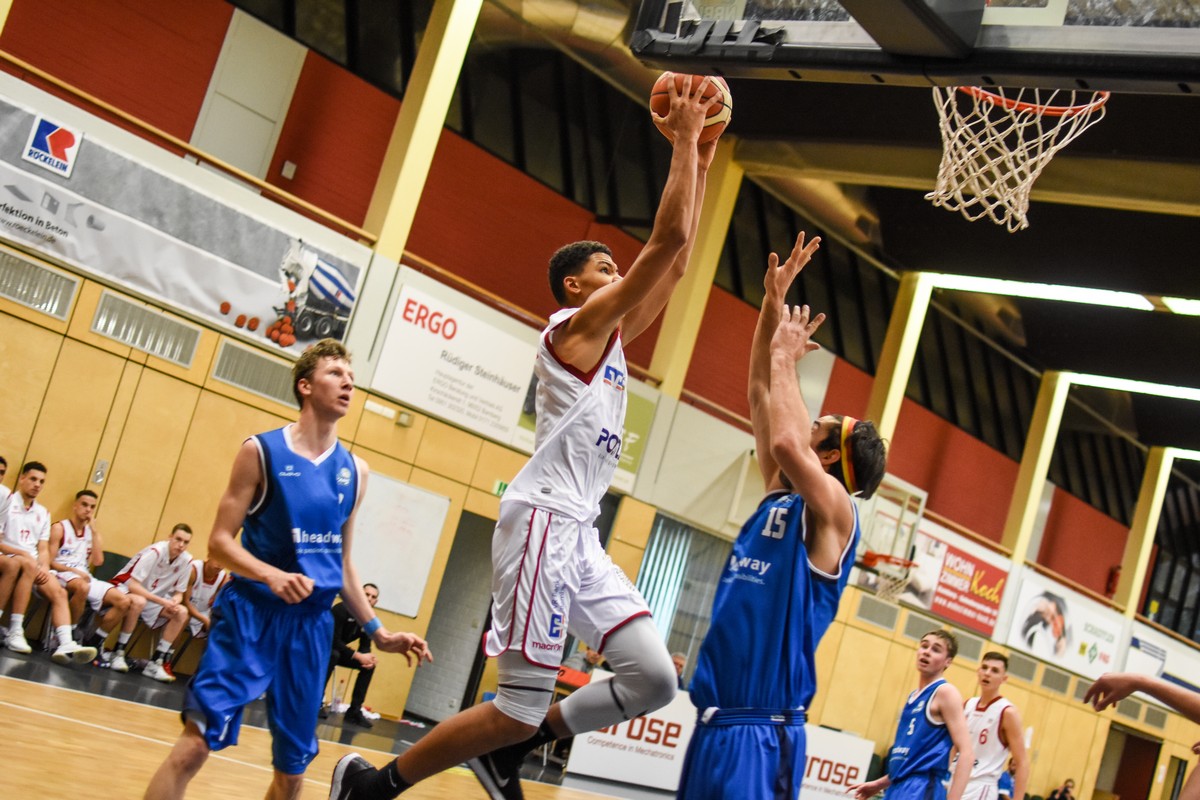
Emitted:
pixel 336 133
pixel 1081 542
pixel 149 58
pixel 721 360
pixel 967 481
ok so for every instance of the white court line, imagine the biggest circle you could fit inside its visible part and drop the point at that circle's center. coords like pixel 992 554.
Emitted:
pixel 219 756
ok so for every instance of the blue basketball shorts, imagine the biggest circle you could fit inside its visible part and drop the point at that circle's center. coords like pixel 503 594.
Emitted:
pixel 252 649
pixel 752 759
pixel 921 786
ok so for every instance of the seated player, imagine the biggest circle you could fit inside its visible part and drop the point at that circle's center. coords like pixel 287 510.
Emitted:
pixel 25 543
pixel 346 630
pixel 204 582
pixel 76 546
pixel 159 574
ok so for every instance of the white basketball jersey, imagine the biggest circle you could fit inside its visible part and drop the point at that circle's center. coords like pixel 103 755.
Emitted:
pixel 580 422
pixel 204 593
pixel 983 723
pixel 153 568
pixel 25 527
pixel 76 548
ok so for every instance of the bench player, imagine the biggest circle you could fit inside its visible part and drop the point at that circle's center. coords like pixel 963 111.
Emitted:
pixel 76 547
pixel 756 673
pixel 550 574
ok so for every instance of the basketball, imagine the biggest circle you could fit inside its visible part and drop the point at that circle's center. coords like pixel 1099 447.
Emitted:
pixel 719 113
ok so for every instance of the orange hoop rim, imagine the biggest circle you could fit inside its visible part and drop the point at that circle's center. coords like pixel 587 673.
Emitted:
pixel 871 560
pixel 1036 108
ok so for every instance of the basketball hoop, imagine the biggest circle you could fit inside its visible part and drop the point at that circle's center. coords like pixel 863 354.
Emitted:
pixel 891 574
pixel 996 146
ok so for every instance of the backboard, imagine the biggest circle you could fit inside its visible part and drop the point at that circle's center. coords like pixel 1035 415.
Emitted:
pixel 1147 46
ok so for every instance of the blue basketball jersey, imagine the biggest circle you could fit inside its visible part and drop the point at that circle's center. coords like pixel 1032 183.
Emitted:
pixel 921 745
pixel 771 609
pixel 296 524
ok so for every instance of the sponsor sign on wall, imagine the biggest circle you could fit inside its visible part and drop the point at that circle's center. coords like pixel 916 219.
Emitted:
pixel 649 751
pixel 163 232
pixel 955 579
pixel 457 359
pixel 1155 654
pixel 1065 628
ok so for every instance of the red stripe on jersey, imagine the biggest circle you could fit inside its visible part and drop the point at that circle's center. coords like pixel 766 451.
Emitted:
pixel 586 377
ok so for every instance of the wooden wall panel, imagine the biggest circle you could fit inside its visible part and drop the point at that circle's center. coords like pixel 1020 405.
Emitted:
pixel 29 353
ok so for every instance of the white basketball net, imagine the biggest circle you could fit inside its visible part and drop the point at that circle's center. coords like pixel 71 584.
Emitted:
pixel 889 587
pixel 995 147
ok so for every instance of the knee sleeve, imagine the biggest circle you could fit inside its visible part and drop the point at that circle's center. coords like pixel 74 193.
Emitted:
pixel 644 680
pixel 525 691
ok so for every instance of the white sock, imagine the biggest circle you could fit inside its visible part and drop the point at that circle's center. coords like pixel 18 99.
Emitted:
pixel 18 623
pixel 64 635
pixel 123 639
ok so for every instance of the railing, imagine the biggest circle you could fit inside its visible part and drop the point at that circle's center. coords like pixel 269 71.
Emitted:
pixel 961 530
pixel 274 192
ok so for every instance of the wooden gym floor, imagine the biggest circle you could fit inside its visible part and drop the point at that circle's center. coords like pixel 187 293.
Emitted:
pixel 63 741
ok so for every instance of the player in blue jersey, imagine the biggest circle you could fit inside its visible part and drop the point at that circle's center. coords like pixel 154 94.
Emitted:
pixel 293 492
pixel 755 674
pixel 931 723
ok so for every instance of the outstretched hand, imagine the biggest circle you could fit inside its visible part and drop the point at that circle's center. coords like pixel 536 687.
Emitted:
pixel 794 335
pixel 779 276
pixel 1109 689
pixel 408 645
pixel 869 789
pixel 688 109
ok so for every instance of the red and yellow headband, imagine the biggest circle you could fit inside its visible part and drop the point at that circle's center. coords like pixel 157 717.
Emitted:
pixel 848 424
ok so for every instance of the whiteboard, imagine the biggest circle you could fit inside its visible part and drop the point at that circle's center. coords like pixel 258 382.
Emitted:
pixel 396 535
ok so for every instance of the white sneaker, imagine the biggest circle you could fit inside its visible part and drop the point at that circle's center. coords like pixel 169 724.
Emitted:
pixel 66 653
pixel 118 663
pixel 158 672
pixel 15 641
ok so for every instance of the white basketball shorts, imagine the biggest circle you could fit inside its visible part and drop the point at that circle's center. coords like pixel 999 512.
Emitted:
pixel 96 589
pixel 550 576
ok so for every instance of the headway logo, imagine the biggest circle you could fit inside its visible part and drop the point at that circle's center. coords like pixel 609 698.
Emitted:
pixel 614 378
pixel 52 147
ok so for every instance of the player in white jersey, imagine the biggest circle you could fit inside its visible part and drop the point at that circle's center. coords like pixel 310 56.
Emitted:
pixel 996 731
pixel 206 579
pixel 159 574
pixel 550 574
pixel 76 547
pixel 25 524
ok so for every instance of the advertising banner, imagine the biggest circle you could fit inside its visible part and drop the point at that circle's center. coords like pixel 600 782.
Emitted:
pixel 66 194
pixel 1065 628
pixel 956 581
pixel 1155 654
pixel 649 751
pixel 455 358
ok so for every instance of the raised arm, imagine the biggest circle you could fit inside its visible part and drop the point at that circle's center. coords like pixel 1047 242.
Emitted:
pixel 643 314
pixel 1014 734
pixel 583 338
pixel 948 704
pixel 244 482
pixel 408 644
pixel 776 282
pixel 792 436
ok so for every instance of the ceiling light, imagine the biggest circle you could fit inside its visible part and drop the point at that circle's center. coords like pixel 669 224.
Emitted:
pixel 1182 305
pixel 1044 291
pixel 1139 387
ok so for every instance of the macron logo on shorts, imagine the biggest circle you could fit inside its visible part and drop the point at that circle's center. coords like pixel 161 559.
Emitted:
pixel 52 146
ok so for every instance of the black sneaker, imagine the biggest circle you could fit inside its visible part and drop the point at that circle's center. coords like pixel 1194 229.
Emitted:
pixel 351 773
pixel 501 779
pixel 355 717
